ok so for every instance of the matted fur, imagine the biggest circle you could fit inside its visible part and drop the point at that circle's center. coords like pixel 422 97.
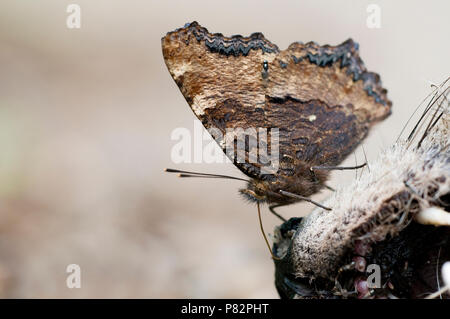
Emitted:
pixel 408 177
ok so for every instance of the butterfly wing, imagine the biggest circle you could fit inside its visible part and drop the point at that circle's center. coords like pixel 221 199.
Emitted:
pixel 321 98
pixel 325 99
pixel 220 78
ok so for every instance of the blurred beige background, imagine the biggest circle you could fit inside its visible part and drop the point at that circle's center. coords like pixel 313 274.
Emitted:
pixel 85 122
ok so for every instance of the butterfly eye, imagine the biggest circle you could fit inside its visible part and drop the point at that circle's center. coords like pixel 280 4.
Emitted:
pixel 265 65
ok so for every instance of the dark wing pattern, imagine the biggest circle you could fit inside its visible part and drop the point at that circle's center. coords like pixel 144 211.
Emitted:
pixel 321 98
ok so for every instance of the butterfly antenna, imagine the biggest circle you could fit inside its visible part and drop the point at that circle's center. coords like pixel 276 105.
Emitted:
pixel 217 176
pixel 204 175
pixel 264 234
pixel 292 195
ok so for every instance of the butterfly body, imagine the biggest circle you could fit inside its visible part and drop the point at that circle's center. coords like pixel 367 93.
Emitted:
pixel 304 183
pixel 320 99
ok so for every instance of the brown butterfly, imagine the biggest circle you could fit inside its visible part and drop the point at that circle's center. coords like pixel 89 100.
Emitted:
pixel 321 99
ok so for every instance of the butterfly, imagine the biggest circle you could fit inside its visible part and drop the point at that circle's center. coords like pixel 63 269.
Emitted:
pixel 321 99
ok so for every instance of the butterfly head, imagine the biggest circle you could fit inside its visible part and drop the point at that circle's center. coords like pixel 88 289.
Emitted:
pixel 262 191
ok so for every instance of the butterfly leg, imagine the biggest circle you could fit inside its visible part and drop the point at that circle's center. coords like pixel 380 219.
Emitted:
pixel 272 210
pixel 296 196
pixel 339 168
pixel 312 169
